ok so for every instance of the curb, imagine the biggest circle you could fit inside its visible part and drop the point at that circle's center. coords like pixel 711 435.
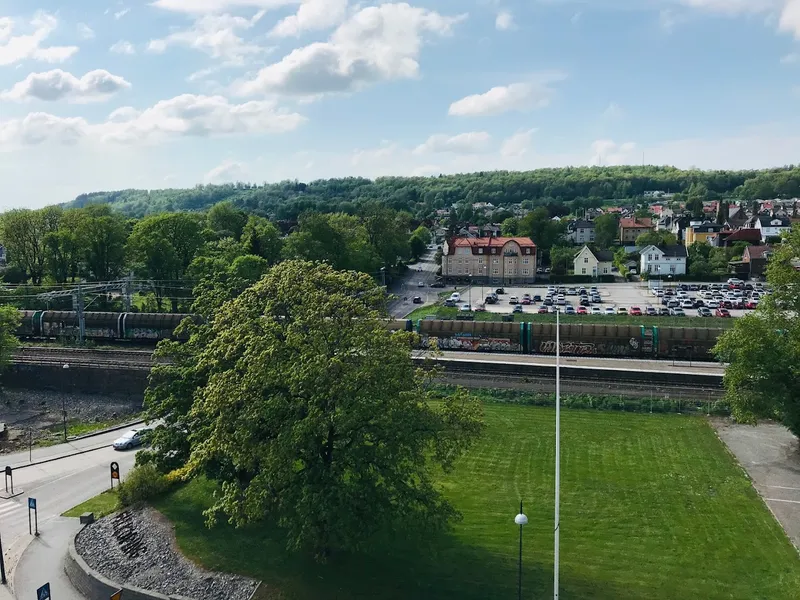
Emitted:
pixel 86 436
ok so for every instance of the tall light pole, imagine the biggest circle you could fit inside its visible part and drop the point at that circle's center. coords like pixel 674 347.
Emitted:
pixel 64 407
pixel 521 519
pixel 558 456
pixel 469 293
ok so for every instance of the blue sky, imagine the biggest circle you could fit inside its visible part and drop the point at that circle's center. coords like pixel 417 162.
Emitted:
pixel 170 93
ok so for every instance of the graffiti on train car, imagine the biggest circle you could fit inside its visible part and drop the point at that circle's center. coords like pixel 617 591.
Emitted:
pixel 591 348
pixel 141 333
pixel 472 344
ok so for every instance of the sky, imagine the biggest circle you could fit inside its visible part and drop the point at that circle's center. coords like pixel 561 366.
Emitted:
pixel 105 95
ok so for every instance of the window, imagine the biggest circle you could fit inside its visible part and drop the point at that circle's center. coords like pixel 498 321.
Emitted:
pixel 672 268
pixel 605 270
pixel 586 261
pixel 583 271
pixel 495 271
pixel 649 257
pixel 524 271
pixel 480 250
pixel 525 261
pixel 495 261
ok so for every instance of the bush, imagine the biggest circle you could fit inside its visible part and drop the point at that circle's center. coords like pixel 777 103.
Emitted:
pixel 144 483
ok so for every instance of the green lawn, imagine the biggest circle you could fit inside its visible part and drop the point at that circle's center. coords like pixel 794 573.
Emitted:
pixel 653 507
pixel 102 505
pixel 443 312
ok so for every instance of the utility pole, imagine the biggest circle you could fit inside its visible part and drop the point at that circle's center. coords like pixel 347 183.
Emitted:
pixel 556 532
pixel 81 316
pixel 128 292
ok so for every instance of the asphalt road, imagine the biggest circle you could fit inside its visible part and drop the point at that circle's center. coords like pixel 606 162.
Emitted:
pixel 57 486
pixel 408 286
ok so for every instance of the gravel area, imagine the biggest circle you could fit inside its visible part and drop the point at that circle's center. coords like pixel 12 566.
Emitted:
pixel 38 410
pixel 150 559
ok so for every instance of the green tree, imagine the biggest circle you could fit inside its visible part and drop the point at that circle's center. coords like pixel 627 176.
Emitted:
pixel 9 324
pixel 226 220
pixel 656 238
pixel 539 226
pixel 102 235
pixel 561 259
pixel 309 412
pixel 762 350
pixel 261 238
pixel 161 248
pixel 606 230
pixel 509 227
pixel 417 246
pixel 23 233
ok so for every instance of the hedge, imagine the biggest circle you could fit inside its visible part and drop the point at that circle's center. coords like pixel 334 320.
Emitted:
pixel 581 279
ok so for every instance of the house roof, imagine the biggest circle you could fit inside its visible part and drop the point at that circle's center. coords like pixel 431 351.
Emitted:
pixel 583 225
pixel 674 251
pixel 744 235
pixel 603 255
pixel 766 221
pixel 757 252
pixel 707 227
pixel 634 223
pixel 487 242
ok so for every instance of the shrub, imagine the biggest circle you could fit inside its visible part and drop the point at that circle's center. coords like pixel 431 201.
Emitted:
pixel 144 483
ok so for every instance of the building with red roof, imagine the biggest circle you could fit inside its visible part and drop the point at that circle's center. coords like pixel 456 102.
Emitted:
pixel 495 260
pixel 632 228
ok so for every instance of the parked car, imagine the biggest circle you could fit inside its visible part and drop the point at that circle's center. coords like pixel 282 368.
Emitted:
pixel 597 300
pixel 542 310
pixel 499 291
pixel 585 301
pixel 677 312
pixel 622 310
pixel 596 310
pixel 722 312
pixel 687 304
pixel 610 310
pixel 437 284
pixel 704 312
pixel 480 308
pixel 517 308
pixel 582 310
pixel 450 303
pixel 131 439
pixel 663 312
pixel 455 297
pixel 561 301
pixel 465 308
pixel 421 284
pixel 569 310
pixel 548 301
pixel 417 300
pixel 752 304
pixel 491 300
pixel 537 298
pixel 712 304
pixel 572 292
pixel 526 301
pixel 635 311
pixel 513 300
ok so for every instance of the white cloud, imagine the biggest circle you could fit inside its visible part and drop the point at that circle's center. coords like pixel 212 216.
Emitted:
pixel 38 128
pixel 465 143
pixel 608 153
pixel 197 116
pixel 311 15
pixel 55 85
pixel 183 116
pixel 790 18
pixel 122 47
pixel 504 21
pixel 517 144
pixel 373 155
pixel 217 6
pixel 86 32
pixel 228 171
pixel 216 36
pixel 791 58
pixel 377 43
pixel 515 97
pixel 732 7
pixel 121 13
pixel 16 48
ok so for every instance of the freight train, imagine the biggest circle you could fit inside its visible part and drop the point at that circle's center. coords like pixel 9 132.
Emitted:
pixel 577 339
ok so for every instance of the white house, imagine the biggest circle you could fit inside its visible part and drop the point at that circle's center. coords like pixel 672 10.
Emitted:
pixel 592 263
pixel 580 232
pixel 772 226
pixel 663 260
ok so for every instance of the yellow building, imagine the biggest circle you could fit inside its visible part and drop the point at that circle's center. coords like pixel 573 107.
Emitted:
pixel 704 233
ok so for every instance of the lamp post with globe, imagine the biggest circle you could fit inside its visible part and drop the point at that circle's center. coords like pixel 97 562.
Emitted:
pixel 521 519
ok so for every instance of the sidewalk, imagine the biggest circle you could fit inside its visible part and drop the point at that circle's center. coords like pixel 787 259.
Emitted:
pixel 43 562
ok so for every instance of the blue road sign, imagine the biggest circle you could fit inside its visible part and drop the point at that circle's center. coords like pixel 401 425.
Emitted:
pixel 32 504
pixel 43 593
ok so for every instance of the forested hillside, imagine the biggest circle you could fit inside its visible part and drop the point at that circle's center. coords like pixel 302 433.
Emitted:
pixel 423 195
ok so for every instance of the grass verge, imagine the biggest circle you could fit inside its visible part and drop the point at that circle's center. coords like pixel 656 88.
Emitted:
pixel 443 312
pixel 653 508
pixel 77 428
pixel 102 505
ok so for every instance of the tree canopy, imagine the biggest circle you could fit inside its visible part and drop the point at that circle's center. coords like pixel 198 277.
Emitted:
pixel 762 380
pixel 307 411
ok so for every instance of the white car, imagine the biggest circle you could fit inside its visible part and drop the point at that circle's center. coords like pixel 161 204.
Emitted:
pixel 610 311
pixel 596 310
pixel 465 308
pixel 455 297
pixel 712 304
pixel 421 284
pixel 132 439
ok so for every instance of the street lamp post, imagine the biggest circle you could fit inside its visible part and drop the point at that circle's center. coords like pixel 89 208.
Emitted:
pixel 521 519
pixel 64 408
pixel 469 293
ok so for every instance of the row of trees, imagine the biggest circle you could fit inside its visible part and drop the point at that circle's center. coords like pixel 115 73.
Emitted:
pixel 176 250
pixel 422 196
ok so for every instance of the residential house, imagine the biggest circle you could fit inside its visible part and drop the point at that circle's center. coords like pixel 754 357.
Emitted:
pixel 496 260
pixel 580 232
pixel 737 217
pixel 663 260
pixel 727 237
pixel 756 257
pixel 702 232
pixel 664 224
pixel 772 226
pixel 632 228
pixel 594 263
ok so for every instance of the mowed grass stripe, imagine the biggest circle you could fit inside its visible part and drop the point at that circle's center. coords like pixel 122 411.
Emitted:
pixel 653 507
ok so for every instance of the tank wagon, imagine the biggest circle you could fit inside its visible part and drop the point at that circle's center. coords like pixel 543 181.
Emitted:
pixel 577 339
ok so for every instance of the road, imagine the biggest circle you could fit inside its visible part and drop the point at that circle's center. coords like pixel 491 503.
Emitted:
pixel 408 286
pixel 57 486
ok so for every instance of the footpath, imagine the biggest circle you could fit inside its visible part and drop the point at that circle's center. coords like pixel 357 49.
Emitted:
pixel 43 562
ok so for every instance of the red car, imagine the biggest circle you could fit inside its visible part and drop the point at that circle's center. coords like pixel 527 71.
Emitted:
pixel 542 310
pixel 722 312
pixel 635 311
pixel 582 310
pixel 526 301
pixel 751 305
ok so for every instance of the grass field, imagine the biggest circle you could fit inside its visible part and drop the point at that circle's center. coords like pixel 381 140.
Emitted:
pixel 653 507
pixel 102 505
pixel 443 312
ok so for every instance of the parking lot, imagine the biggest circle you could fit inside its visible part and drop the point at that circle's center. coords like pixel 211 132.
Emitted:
pixel 615 296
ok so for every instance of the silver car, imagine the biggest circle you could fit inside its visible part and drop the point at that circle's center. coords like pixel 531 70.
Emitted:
pixel 132 439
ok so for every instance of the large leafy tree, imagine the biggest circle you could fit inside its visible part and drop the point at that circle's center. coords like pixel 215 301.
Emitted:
pixel 295 397
pixel 763 349
pixel 102 235
pixel 606 230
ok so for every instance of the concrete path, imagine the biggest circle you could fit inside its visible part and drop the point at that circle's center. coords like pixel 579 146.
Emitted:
pixel 770 454
pixel 43 562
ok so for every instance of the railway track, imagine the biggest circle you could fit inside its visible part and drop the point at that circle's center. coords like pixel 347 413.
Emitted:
pixel 83 357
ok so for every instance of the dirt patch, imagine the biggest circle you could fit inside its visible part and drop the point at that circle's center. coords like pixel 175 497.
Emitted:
pixel 39 414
